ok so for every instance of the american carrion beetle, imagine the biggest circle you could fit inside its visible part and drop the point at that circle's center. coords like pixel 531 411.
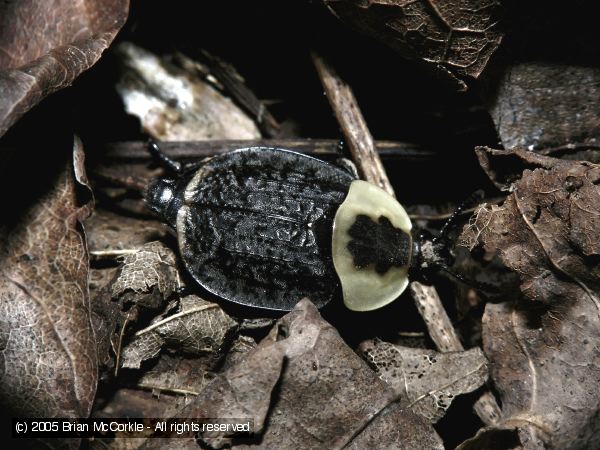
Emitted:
pixel 266 227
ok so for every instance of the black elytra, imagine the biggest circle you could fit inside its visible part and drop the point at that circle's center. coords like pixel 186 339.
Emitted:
pixel 254 226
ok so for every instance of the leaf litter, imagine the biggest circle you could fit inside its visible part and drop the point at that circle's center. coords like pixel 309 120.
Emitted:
pixel 48 365
pixel 282 384
pixel 544 346
pixel 196 359
pixel 426 381
pixel 48 347
pixel 143 283
pixel 453 39
pixel 182 332
pixel 44 51
pixel 197 327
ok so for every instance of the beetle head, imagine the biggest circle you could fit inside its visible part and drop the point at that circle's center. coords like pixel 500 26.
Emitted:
pixel 429 253
pixel 162 197
pixel 432 255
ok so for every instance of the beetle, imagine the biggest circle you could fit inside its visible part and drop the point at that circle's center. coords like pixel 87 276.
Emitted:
pixel 265 227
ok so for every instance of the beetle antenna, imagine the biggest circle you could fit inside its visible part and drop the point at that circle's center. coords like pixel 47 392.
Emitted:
pixel 477 195
pixel 432 253
pixel 479 285
pixel 167 162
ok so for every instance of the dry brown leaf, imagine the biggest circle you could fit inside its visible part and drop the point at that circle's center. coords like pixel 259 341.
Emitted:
pixel 327 397
pixel 176 375
pixel 544 348
pixel 48 360
pixel 111 234
pixel 144 281
pixel 176 105
pixel 426 381
pixel 543 104
pixel 152 265
pixel 44 46
pixel 452 38
pixel 199 327
pixel 327 394
pixel 243 391
pixel 544 89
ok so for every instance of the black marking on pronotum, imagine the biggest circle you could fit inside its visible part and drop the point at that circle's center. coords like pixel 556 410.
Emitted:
pixel 266 227
pixel 378 243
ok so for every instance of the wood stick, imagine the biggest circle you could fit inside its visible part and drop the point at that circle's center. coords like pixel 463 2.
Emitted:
pixel 235 86
pixel 369 164
pixel 446 340
pixel 353 125
pixel 137 150
pixel 436 319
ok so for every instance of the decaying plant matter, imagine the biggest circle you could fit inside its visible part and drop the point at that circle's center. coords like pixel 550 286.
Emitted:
pixel 43 51
pixel 547 231
pixel 455 39
pixel 100 318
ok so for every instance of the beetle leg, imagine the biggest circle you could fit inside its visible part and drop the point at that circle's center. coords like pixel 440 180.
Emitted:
pixel 348 166
pixel 477 195
pixel 183 291
pixel 169 163
pixel 478 285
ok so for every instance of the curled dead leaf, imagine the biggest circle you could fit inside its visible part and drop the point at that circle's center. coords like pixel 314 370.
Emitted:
pixel 455 38
pixel 199 327
pixel 152 265
pixel 543 348
pixel 144 281
pixel 326 396
pixel 48 359
pixel 426 381
pixel 46 45
pixel 548 228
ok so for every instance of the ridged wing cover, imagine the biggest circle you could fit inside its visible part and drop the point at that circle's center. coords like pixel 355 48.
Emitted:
pixel 256 227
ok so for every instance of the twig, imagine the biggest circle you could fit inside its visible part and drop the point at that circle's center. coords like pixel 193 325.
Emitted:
pixel 120 345
pixel 99 254
pixel 137 150
pixel 170 390
pixel 436 319
pixel 445 216
pixel 446 340
pixel 128 182
pixel 365 156
pixel 235 86
pixel 353 125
